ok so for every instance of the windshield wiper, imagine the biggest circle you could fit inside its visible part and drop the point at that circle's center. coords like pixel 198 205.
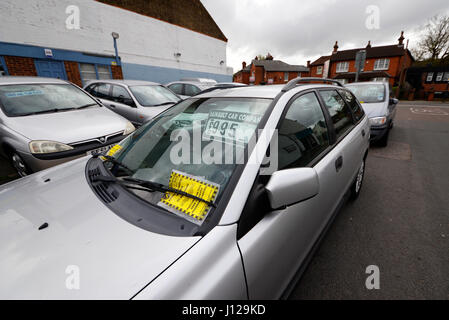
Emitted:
pixel 86 106
pixel 149 186
pixel 114 161
pixel 164 103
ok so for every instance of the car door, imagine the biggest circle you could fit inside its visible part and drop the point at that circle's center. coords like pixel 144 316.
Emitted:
pixel 348 143
pixel 123 103
pixel 276 242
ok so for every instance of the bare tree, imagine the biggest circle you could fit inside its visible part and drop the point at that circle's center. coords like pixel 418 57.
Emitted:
pixel 435 41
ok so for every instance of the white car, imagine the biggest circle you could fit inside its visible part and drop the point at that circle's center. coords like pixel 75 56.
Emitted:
pixel 223 196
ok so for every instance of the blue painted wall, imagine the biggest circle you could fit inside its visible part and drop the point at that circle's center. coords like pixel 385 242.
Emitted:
pixel 164 75
pixel 130 70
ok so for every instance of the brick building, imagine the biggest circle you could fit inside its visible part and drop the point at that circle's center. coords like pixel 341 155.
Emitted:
pixel 429 82
pixel 269 71
pixel 383 63
pixel 158 40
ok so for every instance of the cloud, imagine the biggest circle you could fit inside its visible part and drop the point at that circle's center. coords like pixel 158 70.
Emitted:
pixel 296 31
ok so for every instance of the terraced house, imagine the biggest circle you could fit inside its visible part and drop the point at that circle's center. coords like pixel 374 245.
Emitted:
pixel 383 63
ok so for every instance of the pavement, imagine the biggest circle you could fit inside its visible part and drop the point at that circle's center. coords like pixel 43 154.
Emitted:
pixel 399 223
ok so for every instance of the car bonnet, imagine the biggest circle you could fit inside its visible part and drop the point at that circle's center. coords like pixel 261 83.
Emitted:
pixel 68 126
pixel 58 241
pixel 375 109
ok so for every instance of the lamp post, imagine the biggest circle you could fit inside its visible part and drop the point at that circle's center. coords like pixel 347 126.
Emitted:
pixel 115 36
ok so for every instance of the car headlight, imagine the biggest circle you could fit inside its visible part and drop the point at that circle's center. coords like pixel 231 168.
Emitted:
pixel 129 128
pixel 377 121
pixel 42 146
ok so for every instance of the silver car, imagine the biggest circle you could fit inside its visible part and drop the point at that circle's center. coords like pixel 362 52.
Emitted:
pixel 189 88
pixel 380 105
pixel 233 212
pixel 137 101
pixel 45 122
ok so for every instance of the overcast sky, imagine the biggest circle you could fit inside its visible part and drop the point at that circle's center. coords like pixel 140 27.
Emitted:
pixel 299 30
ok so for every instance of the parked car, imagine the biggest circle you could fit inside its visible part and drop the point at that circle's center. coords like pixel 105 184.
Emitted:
pixel 220 86
pixel 138 224
pixel 137 101
pixel 379 104
pixel 187 88
pixel 44 122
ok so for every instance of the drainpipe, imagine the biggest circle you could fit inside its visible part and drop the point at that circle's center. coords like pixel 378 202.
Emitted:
pixel 115 36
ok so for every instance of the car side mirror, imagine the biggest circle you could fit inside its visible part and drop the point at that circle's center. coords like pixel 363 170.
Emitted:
pixel 290 186
pixel 394 101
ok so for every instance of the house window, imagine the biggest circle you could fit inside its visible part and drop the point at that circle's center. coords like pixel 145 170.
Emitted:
pixel 285 76
pixel 446 76
pixel 90 71
pixel 343 66
pixel 343 81
pixel 3 71
pixel 439 76
pixel 381 64
pixel 429 77
pixel 380 79
pixel 319 70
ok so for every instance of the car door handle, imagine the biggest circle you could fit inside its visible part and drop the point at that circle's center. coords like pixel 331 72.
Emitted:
pixel 339 163
pixel 112 105
pixel 363 132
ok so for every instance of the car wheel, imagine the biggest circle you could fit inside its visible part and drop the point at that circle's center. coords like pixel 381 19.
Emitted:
pixel 357 185
pixel 18 164
pixel 383 142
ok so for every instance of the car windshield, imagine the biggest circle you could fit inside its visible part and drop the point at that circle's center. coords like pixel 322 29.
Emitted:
pixel 28 99
pixel 368 93
pixel 153 95
pixel 194 147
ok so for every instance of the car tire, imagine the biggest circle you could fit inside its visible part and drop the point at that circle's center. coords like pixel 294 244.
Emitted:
pixel 358 182
pixel 383 142
pixel 18 164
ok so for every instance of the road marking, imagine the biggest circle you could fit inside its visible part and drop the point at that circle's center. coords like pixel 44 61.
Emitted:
pixel 427 112
pixel 422 106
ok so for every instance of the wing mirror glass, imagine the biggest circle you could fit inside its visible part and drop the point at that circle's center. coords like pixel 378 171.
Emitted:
pixel 290 186
pixel 394 101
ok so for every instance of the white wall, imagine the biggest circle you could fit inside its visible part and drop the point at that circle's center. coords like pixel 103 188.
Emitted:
pixel 143 40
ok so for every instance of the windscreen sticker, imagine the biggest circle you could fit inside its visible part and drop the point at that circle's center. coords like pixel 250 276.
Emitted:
pixel 191 209
pixel 114 150
pixel 23 93
pixel 231 125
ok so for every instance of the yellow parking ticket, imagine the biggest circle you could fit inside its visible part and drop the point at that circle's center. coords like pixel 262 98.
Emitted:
pixel 114 150
pixel 191 209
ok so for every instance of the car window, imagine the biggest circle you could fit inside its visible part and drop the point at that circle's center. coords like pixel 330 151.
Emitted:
pixel 103 90
pixel 338 110
pixel 121 95
pixel 91 89
pixel 152 95
pixel 27 99
pixel 353 103
pixel 191 90
pixel 303 133
pixel 368 93
pixel 176 88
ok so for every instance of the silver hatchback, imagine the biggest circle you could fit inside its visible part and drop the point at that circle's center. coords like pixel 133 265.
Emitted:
pixel 44 122
pixel 137 101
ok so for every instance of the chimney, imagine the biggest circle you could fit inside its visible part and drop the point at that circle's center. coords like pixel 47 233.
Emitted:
pixel 256 58
pixel 308 63
pixel 401 39
pixel 335 47
pixel 243 65
pixel 369 44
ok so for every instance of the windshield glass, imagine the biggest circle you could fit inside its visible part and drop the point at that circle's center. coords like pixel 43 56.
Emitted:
pixel 26 99
pixel 194 147
pixel 153 95
pixel 368 93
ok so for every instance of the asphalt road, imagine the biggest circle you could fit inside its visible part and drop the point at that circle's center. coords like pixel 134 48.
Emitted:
pixel 400 222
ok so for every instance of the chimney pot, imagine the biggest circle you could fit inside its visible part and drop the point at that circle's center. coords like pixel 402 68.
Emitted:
pixel 369 44
pixel 308 63
pixel 401 39
pixel 335 47
pixel 243 65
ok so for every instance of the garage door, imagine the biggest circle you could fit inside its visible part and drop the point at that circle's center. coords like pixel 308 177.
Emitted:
pixel 50 69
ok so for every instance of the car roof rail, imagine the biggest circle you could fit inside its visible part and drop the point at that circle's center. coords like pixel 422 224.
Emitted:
pixel 292 83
